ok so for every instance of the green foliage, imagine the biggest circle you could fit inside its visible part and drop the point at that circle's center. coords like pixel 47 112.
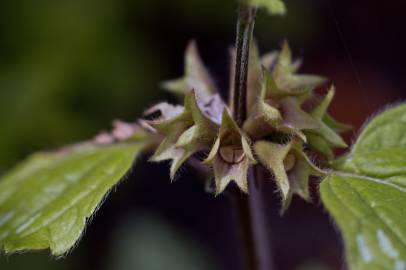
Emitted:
pixel 371 214
pixel 380 150
pixel 367 195
pixel 273 6
pixel 46 201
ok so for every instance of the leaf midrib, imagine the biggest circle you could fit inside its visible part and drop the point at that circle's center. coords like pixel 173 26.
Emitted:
pixel 375 180
pixel 88 172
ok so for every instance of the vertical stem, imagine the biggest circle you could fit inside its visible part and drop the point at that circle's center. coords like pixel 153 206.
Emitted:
pixel 260 222
pixel 243 214
pixel 254 226
pixel 251 239
pixel 245 28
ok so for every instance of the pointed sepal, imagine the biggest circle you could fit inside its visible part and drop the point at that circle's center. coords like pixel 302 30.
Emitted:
pixel 196 76
pixel 286 77
pixel 231 156
pixel 186 133
pixel 323 130
pixel 272 156
pixel 290 167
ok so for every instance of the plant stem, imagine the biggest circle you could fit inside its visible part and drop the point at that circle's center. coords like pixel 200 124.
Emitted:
pixel 259 220
pixel 254 227
pixel 243 214
pixel 255 252
pixel 245 28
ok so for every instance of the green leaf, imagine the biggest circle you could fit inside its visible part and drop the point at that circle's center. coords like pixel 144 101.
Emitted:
pixel 367 195
pixel 46 201
pixel 380 150
pixel 273 6
pixel 371 215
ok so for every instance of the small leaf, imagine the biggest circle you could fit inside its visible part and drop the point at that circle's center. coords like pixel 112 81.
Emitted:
pixel 273 6
pixel 367 196
pixel 46 201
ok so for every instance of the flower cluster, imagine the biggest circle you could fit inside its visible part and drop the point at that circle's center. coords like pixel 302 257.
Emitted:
pixel 284 117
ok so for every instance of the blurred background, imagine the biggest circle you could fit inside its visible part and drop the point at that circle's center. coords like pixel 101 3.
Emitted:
pixel 68 68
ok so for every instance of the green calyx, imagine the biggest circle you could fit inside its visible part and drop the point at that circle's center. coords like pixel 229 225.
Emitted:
pixel 285 116
pixel 231 156
pixel 185 133
pixel 290 166
pixel 196 76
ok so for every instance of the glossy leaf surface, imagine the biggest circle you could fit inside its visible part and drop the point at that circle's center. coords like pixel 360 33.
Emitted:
pixel 367 195
pixel 46 201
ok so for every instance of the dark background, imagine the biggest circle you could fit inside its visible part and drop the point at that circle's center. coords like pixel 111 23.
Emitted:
pixel 68 68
